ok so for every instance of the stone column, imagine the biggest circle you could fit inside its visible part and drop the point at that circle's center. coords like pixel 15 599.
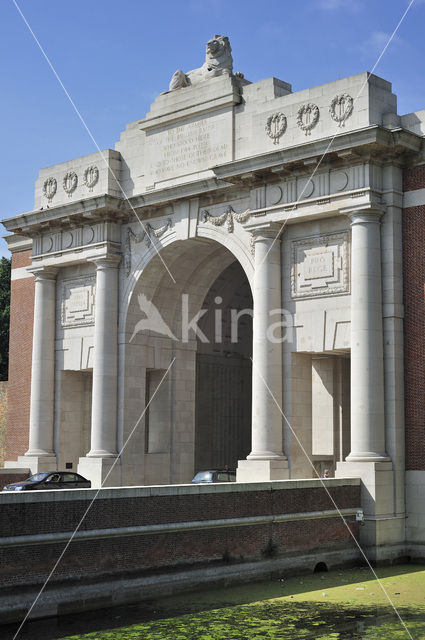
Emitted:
pixel 266 460
pixel 43 369
pixel 368 459
pixel 104 398
pixel 367 363
pixel 103 451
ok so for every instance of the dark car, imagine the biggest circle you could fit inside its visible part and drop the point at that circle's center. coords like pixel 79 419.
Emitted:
pixel 50 480
pixel 215 475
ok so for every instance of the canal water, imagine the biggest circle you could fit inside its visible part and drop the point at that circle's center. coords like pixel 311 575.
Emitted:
pixel 339 605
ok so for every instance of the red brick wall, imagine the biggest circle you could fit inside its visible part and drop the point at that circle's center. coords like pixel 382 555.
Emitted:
pixel 20 355
pixel 414 323
pixel 99 557
pixel 414 178
pixel 10 478
pixel 144 555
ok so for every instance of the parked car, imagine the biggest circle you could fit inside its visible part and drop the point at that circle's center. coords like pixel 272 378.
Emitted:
pixel 215 475
pixel 50 480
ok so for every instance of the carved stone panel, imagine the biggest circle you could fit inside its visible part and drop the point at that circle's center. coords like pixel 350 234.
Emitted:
pixel 189 147
pixel 78 296
pixel 321 265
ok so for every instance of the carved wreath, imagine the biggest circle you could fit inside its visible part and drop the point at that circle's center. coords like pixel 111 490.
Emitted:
pixel 341 108
pixel 276 126
pixel 228 217
pixel 147 232
pixel 91 176
pixel 49 188
pixel 70 181
pixel 308 117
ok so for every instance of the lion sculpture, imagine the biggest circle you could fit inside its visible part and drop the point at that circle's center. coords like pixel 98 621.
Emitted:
pixel 218 62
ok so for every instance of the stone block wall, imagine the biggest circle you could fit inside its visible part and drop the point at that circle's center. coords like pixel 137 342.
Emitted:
pixel 20 355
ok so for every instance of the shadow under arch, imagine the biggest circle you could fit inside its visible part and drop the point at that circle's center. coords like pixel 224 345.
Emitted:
pixel 154 331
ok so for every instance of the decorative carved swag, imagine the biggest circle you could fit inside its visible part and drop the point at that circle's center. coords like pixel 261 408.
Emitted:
pixel 148 232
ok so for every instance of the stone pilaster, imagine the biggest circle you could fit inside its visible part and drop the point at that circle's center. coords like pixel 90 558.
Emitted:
pixel 266 460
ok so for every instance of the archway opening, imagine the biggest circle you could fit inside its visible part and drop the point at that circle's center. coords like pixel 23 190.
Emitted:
pixel 210 377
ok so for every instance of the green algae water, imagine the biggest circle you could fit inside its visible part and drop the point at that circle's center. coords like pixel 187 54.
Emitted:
pixel 337 605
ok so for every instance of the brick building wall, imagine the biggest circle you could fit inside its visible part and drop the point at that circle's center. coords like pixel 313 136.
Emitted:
pixel 414 322
pixel 20 356
pixel 8 478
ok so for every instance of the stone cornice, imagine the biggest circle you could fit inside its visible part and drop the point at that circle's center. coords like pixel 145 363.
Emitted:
pixel 89 210
pixel 109 207
pixel 374 140
pixel 167 195
pixel 16 243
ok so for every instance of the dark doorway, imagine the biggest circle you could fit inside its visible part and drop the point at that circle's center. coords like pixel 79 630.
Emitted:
pixel 223 373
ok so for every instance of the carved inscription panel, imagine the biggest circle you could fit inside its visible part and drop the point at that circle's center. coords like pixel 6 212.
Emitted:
pixel 320 265
pixel 78 297
pixel 190 147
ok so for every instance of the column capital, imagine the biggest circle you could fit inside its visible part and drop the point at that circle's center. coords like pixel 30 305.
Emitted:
pixel 106 262
pixel 266 231
pixel 43 273
pixel 371 213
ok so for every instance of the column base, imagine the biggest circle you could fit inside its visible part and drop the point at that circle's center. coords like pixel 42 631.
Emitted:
pixel 36 464
pixel 100 472
pixel 252 470
pixel 367 456
pixel 382 526
pixel 101 453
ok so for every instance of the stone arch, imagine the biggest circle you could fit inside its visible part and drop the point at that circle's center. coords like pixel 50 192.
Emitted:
pixel 195 263
pixel 234 243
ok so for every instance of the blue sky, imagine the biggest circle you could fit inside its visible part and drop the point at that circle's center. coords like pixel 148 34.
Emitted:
pixel 115 56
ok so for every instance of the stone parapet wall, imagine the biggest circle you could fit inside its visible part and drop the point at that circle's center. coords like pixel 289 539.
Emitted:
pixel 136 531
